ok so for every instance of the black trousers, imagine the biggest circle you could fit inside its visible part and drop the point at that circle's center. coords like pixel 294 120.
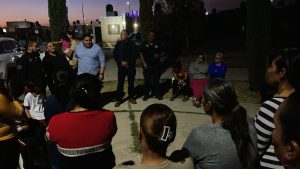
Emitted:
pixel 152 76
pixel 122 73
pixel 9 154
pixel 177 88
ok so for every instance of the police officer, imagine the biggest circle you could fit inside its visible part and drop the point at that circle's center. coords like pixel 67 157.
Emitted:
pixel 150 57
pixel 30 67
pixel 125 53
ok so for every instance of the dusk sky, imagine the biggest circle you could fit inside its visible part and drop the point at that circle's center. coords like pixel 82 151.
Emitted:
pixel 37 10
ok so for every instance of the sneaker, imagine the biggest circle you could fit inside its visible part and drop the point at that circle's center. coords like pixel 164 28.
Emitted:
pixel 186 98
pixel 117 104
pixel 198 104
pixel 132 101
pixel 194 100
pixel 172 98
pixel 145 98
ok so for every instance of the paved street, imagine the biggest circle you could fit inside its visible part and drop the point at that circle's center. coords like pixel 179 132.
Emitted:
pixel 188 116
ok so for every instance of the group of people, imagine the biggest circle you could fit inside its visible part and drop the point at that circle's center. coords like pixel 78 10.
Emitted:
pixel 196 76
pixel 79 131
pixel 125 53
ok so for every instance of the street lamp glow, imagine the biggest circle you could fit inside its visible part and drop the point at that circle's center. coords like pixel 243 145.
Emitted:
pixel 128 4
pixel 206 13
pixel 4 30
pixel 135 25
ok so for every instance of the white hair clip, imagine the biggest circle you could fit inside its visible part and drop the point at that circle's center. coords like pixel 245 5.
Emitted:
pixel 166 133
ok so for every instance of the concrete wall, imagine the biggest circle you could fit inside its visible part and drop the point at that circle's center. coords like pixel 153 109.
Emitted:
pixel 111 28
pixel 11 26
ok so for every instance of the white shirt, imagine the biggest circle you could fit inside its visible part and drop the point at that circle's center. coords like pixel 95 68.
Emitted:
pixel 35 104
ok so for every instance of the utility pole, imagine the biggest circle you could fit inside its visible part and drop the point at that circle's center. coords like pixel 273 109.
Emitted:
pixel 83 16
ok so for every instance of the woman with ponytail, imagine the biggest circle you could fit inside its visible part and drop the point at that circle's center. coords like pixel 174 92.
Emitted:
pixel 230 141
pixel 156 132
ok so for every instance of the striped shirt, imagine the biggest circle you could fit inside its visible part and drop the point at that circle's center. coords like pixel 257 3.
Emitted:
pixel 264 123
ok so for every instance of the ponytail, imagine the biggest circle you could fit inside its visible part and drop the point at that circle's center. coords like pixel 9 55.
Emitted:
pixel 237 124
pixel 224 101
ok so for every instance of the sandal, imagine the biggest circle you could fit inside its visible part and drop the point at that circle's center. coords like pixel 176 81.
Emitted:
pixel 172 98
pixel 186 98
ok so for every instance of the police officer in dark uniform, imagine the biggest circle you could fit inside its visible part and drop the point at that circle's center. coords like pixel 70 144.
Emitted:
pixel 30 67
pixel 125 54
pixel 150 57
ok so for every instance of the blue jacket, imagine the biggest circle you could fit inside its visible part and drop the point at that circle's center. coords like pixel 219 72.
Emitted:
pixel 217 71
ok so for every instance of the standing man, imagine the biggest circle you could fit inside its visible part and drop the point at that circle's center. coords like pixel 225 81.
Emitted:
pixel 30 68
pixel 89 57
pixel 150 57
pixel 125 54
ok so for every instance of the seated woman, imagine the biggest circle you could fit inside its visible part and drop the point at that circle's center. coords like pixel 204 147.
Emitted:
pixel 157 130
pixel 198 78
pixel 230 141
pixel 83 136
pixel 286 135
pixel 217 68
pixel 180 82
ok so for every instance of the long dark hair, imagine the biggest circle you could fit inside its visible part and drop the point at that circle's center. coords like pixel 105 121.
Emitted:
pixel 288 59
pixel 62 83
pixel 85 92
pixel 158 123
pixel 223 98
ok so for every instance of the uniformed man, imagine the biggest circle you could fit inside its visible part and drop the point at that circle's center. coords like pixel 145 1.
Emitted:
pixel 150 57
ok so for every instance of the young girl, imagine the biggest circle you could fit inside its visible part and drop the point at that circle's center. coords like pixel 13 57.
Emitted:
pixel 33 102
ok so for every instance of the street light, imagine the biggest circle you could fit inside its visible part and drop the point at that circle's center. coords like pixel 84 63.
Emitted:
pixel 128 3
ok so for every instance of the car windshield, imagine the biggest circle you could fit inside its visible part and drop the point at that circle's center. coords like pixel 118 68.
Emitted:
pixel 9 46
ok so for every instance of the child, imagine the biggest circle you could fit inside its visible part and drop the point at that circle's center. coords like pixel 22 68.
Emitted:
pixel 33 102
pixel 34 150
pixel 66 44
pixel 217 69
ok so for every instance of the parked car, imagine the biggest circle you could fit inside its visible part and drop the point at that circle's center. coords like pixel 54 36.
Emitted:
pixel 10 52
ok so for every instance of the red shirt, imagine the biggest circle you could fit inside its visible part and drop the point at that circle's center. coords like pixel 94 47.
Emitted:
pixel 73 130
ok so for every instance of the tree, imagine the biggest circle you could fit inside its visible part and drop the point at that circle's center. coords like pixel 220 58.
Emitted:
pixel 146 16
pixel 258 40
pixel 188 20
pixel 58 18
